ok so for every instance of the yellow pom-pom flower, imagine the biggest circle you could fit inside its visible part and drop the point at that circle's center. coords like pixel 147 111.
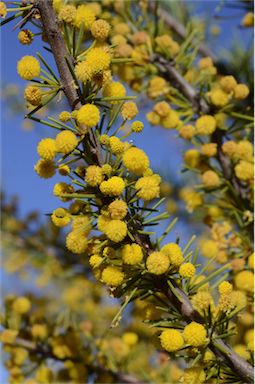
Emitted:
pixel 94 175
pixel 194 334
pixel 3 9
pixel 248 20
pixel 47 149
pixel 171 120
pixel 66 142
pixel 187 270
pixel 118 209
pixel 112 276
pixel 64 170
pixel 136 161
pixel 98 60
pixel 209 248
pixel 244 170
pixel 21 305
pixel 33 95
pixel 209 149
pixel 174 252
pixel 225 288
pixel 251 261
pixel 25 36
pixel 60 217
pixel 228 83
pixel 219 98
pixel 116 230
pixel 171 340
pixel 64 116
pixel 205 125
pixel 241 91
pixel 83 71
pixel 45 168
pixel 210 179
pixel 244 281
pixel 84 15
pixel 39 331
pixel 113 186
pixel 76 242
pixel 137 126
pixel 194 375
pixel 130 338
pixel 187 131
pixel 148 188
pixel 81 223
pixel 157 263
pixel 67 13
pixel 88 115
pixel 129 110
pixel 116 145
pixel 244 150
pixel 100 29
pixel 60 189
pixel 132 254
pixel 95 261
pixel 114 89
pixel 192 158
pixel 28 67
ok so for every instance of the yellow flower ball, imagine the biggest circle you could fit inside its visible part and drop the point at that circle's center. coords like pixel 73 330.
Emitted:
pixel 219 98
pixel 64 116
pixel 229 148
pixel 82 224
pixel 244 281
pixel 194 334
pixel 116 230
pixel 248 20
pixel 98 60
pixel 3 9
pixel 187 270
pixel 118 209
pixel 205 125
pixel 148 188
pixel 241 91
pixel 251 261
pixel 129 110
pixel 132 254
pixel 47 149
pixel 174 252
pixel 45 168
pixel 112 276
pixel 153 118
pixel 136 161
pixel 130 338
pixel 157 263
pixel 113 186
pixel 225 288
pixel 107 169
pixel 194 375
pixel 114 89
pixel 171 120
pixel 241 350
pixel 209 248
pixel 187 131
pixel 21 305
pixel 192 158
pixel 76 242
pixel 137 126
pixel 33 95
pixel 244 170
pixel 8 336
pixel 210 179
pixel 28 67
pixel 202 300
pixel 64 170
pixel 94 175
pixel 171 340
pixel 88 115
pixel 83 71
pixel 67 13
pixel 228 83
pixel 244 150
pixel 100 29
pixel 95 261
pixel 116 145
pixel 162 108
pixel 84 15
pixel 66 142
pixel 60 189
pixel 39 331
pixel 209 149
pixel 25 36
pixel 60 217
